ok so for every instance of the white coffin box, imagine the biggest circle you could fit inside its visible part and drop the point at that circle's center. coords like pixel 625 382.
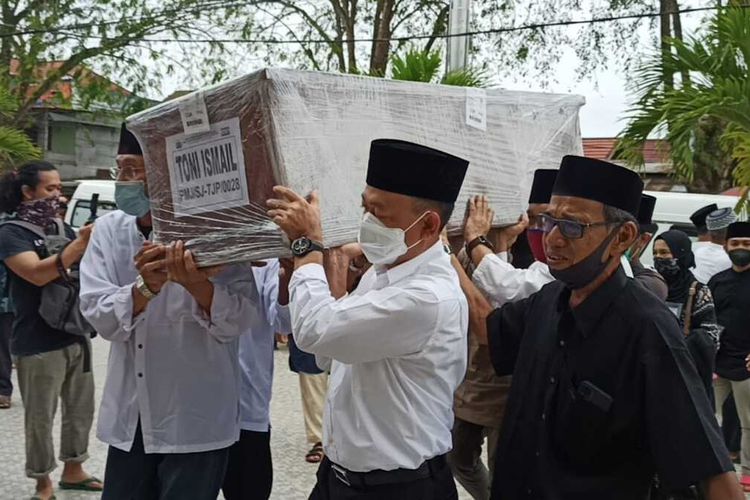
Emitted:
pixel 213 156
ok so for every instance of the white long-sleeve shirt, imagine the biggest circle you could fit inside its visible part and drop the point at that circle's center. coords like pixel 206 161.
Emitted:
pixel 256 350
pixel 398 345
pixel 173 366
pixel 710 259
pixel 500 282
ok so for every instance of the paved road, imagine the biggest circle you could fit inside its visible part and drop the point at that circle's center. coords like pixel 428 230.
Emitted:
pixel 293 477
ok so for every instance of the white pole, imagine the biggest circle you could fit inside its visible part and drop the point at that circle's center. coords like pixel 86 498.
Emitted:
pixel 458 46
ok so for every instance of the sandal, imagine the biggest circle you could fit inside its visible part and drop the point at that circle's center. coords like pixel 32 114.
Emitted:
pixel 84 485
pixel 316 454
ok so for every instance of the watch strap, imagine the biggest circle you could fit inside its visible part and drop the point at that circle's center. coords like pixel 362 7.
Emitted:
pixel 312 246
pixel 479 240
pixel 143 289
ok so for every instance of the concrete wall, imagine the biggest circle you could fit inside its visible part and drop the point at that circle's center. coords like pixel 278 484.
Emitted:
pixel 80 145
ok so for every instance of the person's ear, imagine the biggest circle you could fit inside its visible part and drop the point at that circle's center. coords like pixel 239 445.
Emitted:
pixel 431 224
pixel 626 236
pixel 27 193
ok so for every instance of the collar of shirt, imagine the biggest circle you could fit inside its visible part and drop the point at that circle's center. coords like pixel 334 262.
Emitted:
pixel 588 314
pixel 401 271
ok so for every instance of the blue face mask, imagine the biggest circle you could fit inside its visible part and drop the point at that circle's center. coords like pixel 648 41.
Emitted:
pixel 131 198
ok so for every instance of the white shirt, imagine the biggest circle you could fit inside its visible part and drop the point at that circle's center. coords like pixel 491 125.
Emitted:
pixel 398 344
pixel 256 350
pixel 500 282
pixel 710 259
pixel 172 365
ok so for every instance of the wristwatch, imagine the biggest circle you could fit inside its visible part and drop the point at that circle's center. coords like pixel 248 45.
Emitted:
pixel 304 245
pixel 479 240
pixel 447 248
pixel 143 288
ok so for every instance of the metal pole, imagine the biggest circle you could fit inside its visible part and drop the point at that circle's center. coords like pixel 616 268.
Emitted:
pixel 458 46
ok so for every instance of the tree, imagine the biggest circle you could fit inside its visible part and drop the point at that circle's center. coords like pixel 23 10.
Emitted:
pixel 713 105
pixel 425 65
pixel 338 23
pixel 15 146
pixel 74 34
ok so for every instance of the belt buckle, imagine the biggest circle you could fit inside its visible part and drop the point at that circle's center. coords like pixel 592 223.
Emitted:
pixel 340 474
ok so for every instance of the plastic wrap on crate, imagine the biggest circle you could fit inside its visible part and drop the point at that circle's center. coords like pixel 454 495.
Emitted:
pixel 213 156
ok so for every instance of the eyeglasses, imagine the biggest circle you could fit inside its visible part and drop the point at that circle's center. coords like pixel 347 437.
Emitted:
pixel 570 229
pixel 127 172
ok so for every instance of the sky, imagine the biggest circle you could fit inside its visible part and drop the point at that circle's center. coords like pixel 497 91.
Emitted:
pixel 606 99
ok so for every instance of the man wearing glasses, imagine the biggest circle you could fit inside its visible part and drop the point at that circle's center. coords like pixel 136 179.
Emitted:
pixel 170 405
pixel 604 392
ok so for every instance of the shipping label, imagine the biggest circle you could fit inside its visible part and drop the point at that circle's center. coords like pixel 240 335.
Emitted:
pixel 476 108
pixel 207 170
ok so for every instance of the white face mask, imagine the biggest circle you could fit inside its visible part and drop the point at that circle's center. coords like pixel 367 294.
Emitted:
pixel 383 245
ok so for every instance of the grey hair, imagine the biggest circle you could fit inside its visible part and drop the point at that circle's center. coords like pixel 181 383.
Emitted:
pixel 616 215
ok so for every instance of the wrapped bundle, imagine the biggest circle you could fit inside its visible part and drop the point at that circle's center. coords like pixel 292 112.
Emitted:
pixel 212 157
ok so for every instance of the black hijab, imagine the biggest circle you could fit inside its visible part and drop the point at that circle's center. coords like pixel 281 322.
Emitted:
pixel 681 247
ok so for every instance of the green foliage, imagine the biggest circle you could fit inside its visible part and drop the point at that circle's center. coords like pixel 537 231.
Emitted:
pixel 416 66
pixel 470 77
pixel 15 146
pixel 718 94
pixel 424 66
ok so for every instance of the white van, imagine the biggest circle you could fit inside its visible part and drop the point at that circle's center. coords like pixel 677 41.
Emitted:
pixel 79 206
pixel 673 211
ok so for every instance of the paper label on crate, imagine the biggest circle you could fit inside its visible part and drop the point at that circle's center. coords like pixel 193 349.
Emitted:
pixel 207 170
pixel 476 108
pixel 194 114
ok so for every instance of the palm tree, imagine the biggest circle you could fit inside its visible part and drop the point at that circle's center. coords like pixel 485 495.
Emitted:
pixel 15 146
pixel 717 94
pixel 424 66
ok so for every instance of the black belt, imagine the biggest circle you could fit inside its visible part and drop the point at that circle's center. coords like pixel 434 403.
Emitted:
pixel 428 468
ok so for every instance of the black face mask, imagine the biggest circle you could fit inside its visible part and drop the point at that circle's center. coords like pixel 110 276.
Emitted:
pixel 668 268
pixel 740 257
pixel 584 272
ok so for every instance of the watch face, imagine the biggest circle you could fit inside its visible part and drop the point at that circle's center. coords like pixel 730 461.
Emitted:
pixel 300 246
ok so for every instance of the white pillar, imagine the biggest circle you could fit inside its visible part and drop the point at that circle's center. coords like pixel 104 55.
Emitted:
pixel 458 46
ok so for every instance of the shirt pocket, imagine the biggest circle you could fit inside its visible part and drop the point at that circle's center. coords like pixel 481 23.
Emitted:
pixel 582 425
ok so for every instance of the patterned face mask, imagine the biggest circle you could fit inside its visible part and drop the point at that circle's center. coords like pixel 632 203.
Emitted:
pixel 41 212
pixel 668 268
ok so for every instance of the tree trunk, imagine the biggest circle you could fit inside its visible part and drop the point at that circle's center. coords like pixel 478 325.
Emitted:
pixel 350 6
pixel 381 49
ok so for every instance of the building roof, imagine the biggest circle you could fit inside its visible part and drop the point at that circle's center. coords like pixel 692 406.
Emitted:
pixel 64 90
pixel 655 153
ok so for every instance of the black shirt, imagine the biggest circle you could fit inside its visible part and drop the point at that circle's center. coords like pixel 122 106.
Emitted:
pixel 31 334
pixel 731 291
pixel 603 397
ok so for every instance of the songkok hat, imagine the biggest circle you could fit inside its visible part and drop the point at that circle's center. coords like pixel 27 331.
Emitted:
pixel 413 170
pixel 738 230
pixel 600 181
pixel 128 143
pixel 646 213
pixel 699 216
pixel 541 188
pixel 720 219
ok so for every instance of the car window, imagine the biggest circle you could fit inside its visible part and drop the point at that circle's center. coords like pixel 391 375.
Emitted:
pixel 82 211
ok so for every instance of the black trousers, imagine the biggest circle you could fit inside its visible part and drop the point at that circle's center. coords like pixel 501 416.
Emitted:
pixel 136 475
pixel 6 364
pixel 439 486
pixel 249 471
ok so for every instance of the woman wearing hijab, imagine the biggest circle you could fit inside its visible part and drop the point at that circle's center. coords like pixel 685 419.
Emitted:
pixel 689 300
